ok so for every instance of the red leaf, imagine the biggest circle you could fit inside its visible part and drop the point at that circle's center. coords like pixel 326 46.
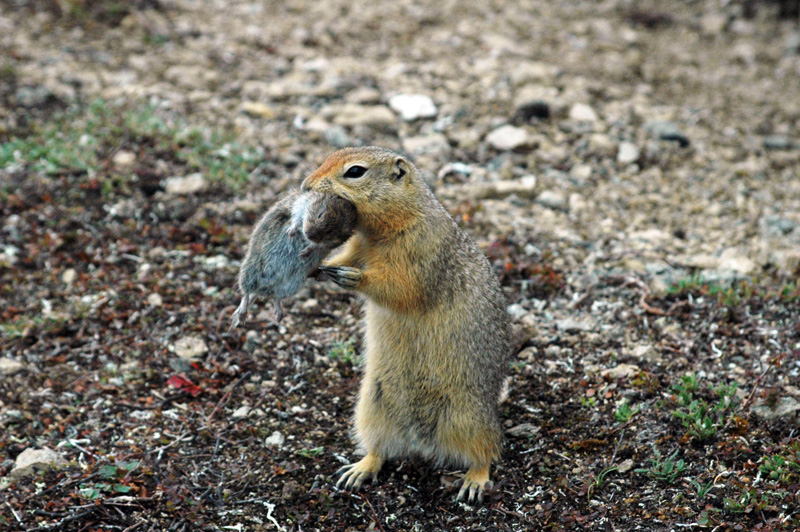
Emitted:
pixel 182 383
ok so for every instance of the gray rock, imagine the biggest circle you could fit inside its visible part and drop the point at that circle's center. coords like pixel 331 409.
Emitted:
pixel 552 200
pixel 507 138
pixel 777 142
pixel 31 460
pixel 669 131
pixel 10 367
pixel 337 137
pixel 37 96
pixel 791 45
pixel 523 429
pixel 413 106
pixel 785 407
pixel 779 225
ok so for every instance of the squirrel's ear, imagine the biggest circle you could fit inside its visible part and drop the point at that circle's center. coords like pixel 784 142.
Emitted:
pixel 400 169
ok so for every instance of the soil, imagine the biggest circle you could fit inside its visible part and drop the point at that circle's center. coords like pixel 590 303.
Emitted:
pixel 630 168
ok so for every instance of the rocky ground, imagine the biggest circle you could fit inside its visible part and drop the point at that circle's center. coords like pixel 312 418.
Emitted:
pixel 632 169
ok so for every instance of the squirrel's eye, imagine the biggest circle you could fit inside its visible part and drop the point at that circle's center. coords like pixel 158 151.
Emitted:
pixel 355 171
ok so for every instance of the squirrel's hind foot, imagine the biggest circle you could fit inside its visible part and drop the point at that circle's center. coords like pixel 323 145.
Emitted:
pixel 473 485
pixel 354 475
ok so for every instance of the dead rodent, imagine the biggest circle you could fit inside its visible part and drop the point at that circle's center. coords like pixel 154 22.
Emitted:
pixel 280 256
pixel 437 336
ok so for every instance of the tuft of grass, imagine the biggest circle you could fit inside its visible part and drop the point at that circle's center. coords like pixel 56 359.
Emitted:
pixel 624 412
pixel 701 419
pixel 311 453
pixel 737 293
pixel 82 141
pixel 346 352
pixel 663 469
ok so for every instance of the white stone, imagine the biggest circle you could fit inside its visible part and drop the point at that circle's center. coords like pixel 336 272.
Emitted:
pixel 517 311
pixel 241 412
pixel 525 187
pixel 155 300
pixel 185 185
pixel 621 371
pixel 413 106
pixel 733 260
pixel 580 112
pixel 69 276
pixel 433 144
pixel 571 325
pixel 9 366
pixel 276 439
pixel 124 158
pixel 364 115
pixel 190 347
pixel 628 153
pixel 507 138
pixel 31 459
pixel 258 110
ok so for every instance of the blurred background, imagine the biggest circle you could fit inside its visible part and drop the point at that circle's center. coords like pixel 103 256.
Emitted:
pixel 632 169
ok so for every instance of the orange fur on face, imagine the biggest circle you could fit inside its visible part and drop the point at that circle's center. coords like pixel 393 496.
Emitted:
pixel 332 165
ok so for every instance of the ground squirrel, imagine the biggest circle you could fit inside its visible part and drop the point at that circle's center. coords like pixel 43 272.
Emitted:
pixel 437 335
pixel 280 256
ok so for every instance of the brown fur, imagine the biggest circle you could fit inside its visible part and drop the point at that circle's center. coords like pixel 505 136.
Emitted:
pixel 437 333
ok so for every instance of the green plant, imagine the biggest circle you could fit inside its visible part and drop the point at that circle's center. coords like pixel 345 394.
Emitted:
pixel 597 482
pixel 624 412
pixel 345 351
pixel 664 469
pixel 702 489
pixel 311 453
pixel 701 420
pixel 686 388
pixel 114 477
pixel 81 140
pixel 589 402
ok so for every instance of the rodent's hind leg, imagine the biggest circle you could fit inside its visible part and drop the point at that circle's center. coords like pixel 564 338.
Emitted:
pixel 240 311
pixel 474 484
pixel 344 276
pixel 354 475
pixel 278 311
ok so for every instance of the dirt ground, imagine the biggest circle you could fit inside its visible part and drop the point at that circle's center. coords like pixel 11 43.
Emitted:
pixel 632 170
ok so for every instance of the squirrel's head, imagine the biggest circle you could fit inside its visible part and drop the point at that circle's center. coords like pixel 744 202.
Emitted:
pixel 383 185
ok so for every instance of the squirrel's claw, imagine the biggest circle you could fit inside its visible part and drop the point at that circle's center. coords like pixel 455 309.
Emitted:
pixel 354 475
pixel 472 489
pixel 342 275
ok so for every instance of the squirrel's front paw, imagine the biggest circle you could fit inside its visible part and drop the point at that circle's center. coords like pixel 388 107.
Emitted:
pixel 342 275
pixel 354 475
pixel 473 486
